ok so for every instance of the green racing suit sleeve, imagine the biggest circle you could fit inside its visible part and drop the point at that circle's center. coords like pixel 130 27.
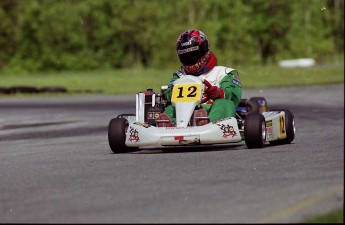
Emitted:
pixel 232 87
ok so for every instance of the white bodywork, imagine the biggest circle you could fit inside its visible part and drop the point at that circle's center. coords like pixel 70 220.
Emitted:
pixel 275 125
pixel 141 134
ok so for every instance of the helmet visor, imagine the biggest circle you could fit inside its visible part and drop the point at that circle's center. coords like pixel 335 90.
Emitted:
pixel 189 58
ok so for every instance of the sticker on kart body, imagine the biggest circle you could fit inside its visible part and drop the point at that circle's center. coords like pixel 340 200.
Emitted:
pixel 228 131
pixel 133 135
pixel 142 124
pixel 186 93
pixel 270 133
pixel 269 123
pixel 282 127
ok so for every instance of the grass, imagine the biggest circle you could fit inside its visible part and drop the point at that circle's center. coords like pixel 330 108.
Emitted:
pixel 336 216
pixel 130 81
pixel 253 77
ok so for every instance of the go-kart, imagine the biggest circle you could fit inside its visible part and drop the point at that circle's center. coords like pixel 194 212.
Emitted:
pixel 253 123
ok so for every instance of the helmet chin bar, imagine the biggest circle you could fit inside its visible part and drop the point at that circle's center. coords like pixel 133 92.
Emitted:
pixel 199 65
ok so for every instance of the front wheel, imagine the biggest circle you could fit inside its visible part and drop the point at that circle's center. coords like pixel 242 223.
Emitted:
pixel 289 126
pixel 117 135
pixel 255 130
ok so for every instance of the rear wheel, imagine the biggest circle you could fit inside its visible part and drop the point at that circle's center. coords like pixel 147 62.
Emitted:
pixel 289 126
pixel 255 130
pixel 257 104
pixel 117 135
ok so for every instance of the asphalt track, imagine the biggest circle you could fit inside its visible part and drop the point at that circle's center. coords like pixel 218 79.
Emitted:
pixel 56 166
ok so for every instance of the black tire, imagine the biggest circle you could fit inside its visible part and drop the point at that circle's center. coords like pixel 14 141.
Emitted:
pixel 117 135
pixel 257 104
pixel 255 130
pixel 289 126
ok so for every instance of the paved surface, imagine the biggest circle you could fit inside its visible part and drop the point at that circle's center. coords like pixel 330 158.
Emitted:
pixel 56 166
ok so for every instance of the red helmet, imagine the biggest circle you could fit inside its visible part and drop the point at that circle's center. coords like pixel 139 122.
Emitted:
pixel 193 50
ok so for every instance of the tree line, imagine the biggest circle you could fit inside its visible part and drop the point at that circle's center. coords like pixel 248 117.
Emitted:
pixel 41 35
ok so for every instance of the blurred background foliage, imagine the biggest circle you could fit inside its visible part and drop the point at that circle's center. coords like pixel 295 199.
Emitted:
pixel 56 35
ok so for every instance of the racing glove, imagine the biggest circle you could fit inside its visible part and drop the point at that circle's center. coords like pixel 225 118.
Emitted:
pixel 213 92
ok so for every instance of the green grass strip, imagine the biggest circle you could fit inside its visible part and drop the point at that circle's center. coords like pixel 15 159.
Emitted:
pixel 131 81
pixel 336 216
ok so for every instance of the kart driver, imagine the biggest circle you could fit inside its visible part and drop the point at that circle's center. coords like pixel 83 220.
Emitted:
pixel 224 89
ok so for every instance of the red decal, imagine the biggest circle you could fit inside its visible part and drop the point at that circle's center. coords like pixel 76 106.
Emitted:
pixel 178 138
pixel 228 131
pixel 236 77
pixel 134 135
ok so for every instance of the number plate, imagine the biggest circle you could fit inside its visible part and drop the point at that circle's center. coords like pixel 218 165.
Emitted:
pixel 186 93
